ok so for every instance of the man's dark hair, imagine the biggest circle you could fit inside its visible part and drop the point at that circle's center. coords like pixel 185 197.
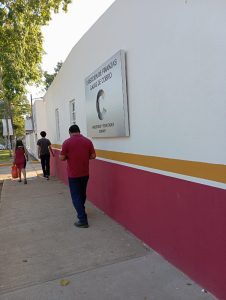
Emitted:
pixel 43 133
pixel 74 129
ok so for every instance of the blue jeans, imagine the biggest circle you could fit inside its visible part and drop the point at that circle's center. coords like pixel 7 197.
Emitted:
pixel 78 194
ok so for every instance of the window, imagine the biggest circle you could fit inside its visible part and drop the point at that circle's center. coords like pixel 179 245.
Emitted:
pixel 57 124
pixel 72 112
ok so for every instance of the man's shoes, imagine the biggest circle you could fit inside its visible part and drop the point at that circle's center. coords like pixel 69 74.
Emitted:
pixel 25 181
pixel 47 177
pixel 81 225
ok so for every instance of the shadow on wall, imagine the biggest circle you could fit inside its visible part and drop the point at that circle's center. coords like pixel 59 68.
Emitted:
pixel 58 168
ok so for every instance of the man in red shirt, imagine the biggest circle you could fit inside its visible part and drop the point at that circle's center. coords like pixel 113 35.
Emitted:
pixel 78 150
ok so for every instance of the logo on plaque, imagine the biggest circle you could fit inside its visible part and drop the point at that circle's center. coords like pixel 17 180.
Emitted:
pixel 100 103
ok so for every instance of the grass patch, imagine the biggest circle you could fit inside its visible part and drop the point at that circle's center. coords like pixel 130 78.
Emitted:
pixel 5 156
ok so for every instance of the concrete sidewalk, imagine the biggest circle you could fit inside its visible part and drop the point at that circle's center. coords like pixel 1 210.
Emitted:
pixel 44 257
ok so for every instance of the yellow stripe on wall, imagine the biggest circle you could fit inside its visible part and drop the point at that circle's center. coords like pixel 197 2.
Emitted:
pixel 56 146
pixel 214 172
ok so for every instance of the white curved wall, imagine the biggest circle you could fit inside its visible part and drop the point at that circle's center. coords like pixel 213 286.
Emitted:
pixel 175 52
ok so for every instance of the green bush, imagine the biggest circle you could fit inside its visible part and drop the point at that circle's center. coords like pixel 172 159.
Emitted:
pixel 5 156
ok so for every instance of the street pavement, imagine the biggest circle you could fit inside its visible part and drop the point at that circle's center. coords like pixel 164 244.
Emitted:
pixel 43 256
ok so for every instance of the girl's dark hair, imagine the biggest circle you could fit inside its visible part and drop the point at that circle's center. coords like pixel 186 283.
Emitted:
pixel 19 143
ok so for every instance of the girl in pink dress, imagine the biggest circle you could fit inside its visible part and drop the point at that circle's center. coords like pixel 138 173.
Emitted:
pixel 20 159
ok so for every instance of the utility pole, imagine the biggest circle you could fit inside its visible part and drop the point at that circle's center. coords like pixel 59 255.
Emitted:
pixel 7 129
pixel 32 120
pixel 11 119
pixel 8 140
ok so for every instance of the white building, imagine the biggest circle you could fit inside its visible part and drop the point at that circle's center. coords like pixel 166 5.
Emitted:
pixel 34 125
pixel 166 180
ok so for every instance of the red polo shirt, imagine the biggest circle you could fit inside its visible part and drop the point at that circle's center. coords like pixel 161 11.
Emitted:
pixel 77 150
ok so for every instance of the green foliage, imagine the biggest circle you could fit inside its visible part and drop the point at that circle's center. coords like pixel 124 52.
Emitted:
pixel 2 111
pixel 20 109
pixel 21 48
pixel 4 156
pixel 48 78
pixel 1 132
pixel 21 40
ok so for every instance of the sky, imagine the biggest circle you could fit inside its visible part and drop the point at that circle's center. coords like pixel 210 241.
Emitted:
pixel 65 30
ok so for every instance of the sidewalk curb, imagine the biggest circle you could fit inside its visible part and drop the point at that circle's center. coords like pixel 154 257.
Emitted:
pixel 10 164
pixel 5 165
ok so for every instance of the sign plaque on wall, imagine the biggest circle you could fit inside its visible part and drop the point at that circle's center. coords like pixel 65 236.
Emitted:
pixel 106 99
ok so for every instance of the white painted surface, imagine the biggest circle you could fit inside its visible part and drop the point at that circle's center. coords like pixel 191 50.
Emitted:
pixel 39 115
pixel 28 124
pixel 40 124
pixel 7 127
pixel 176 74
pixel 106 99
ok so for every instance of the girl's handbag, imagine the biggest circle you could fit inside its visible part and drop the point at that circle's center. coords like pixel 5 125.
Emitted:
pixel 14 171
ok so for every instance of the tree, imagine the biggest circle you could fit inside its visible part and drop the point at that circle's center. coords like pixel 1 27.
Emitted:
pixel 21 45
pixel 48 78
pixel 21 108
pixel 1 117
